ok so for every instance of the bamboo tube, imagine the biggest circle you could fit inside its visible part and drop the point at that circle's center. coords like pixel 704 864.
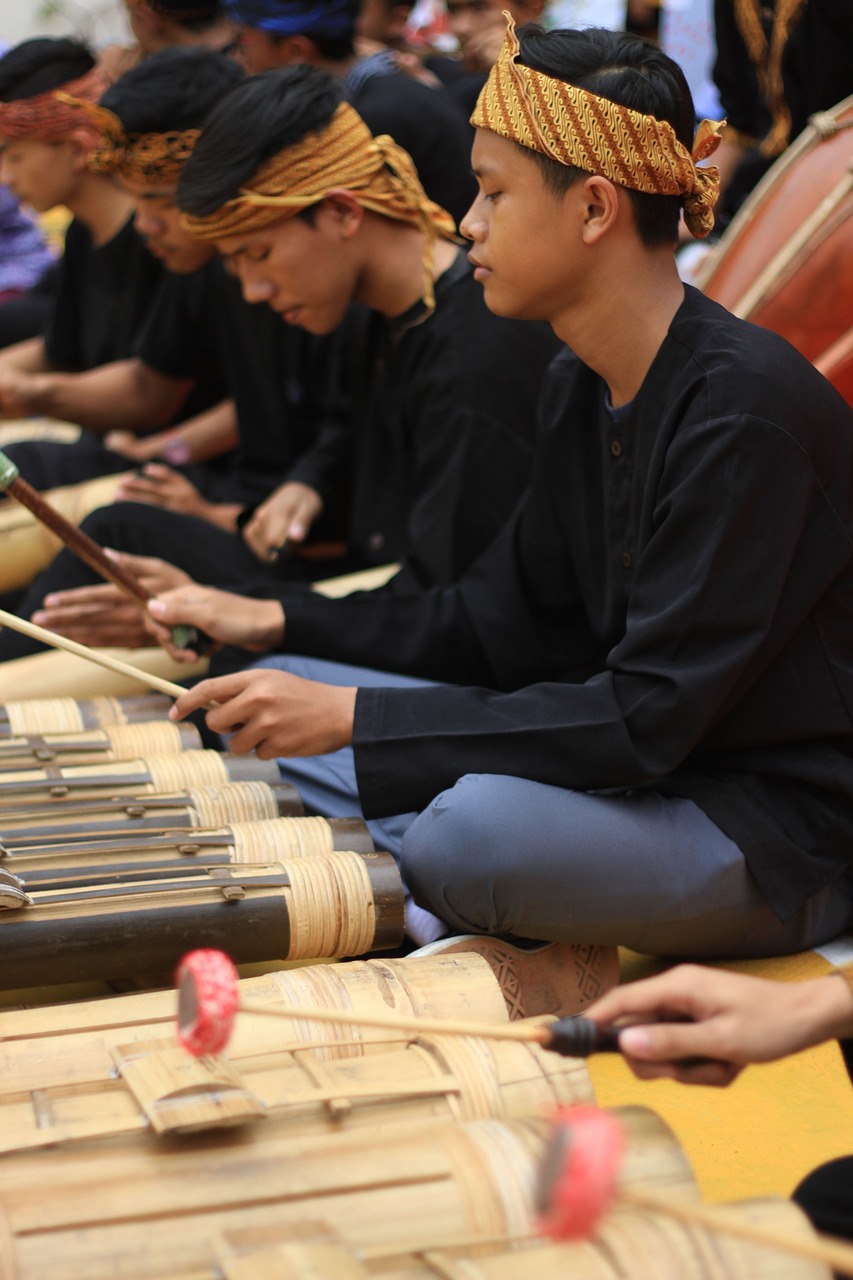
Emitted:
pixel 141 921
pixel 31 824
pixel 156 775
pixel 19 717
pixel 116 742
pixel 71 1045
pixel 156 1089
pixel 276 839
pixel 18 430
pixel 119 1208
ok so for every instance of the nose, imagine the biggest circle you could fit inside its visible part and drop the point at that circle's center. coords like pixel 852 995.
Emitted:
pixel 473 225
pixel 255 287
pixel 146 222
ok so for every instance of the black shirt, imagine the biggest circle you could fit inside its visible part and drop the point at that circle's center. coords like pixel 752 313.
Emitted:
pixel 291 411
pixel 103 299
pixel 444 423
pixel 671 608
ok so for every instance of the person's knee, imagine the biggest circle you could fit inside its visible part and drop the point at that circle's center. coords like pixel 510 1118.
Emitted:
pixel 450 858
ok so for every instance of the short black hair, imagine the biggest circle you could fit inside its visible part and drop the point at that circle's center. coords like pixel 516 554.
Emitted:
pixel 199 16
pixel 269 112
pixel 174 89
pixel 40 65
pixel 632 72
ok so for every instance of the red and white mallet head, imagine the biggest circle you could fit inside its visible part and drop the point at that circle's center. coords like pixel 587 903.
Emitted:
pixel 579 1174
pixel 207 1001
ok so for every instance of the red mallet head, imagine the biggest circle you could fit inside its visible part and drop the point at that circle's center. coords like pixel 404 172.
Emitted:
pixel 579 1173
pixel 207 1001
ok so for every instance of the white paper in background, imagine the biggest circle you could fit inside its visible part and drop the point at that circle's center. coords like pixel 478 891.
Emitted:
pixel 687 35
pixel 586 13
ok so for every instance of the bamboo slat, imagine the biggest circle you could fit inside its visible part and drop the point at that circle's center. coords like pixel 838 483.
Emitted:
pixel 98 746
pixel 239 842
pixel 75 715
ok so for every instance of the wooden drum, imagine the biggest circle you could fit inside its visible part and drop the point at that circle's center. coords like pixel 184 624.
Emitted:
pixel 786 261
pixel 836 364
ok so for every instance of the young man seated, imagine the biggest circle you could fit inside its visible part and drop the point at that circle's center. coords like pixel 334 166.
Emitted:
pixel 314 214
pixel 108 279
pixel 645 728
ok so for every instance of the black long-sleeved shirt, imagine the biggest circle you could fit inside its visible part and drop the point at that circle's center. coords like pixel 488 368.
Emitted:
pixel 671 607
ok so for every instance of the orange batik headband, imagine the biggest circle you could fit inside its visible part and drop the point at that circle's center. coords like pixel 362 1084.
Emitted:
pixel 344 156
pixel 151 159
pixel 55 116
pixel 578 128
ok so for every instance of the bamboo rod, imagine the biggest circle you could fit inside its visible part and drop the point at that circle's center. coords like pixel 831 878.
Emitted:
pixel 84 547
pixel 91 655
pixel 531 1033
pixel 821 1248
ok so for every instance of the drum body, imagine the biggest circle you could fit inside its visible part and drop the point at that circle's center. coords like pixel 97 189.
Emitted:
pixel 786 261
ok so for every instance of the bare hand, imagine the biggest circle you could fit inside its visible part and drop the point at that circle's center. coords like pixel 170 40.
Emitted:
pixel 104 615
pixel 160 486
pixel 286 516
pixel 137 448
pixel 274 713
pixel 257 625
pixel 19 391
pixel 732 1018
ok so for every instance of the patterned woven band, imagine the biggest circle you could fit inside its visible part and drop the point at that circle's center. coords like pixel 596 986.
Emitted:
pixel 579 128
pixel 55 116
pixel 343 156
pixel 150 159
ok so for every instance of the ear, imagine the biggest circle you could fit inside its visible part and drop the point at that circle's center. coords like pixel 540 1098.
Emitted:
pixel 601 207
pixel 78 153
pixel 343 212
pixel 300 50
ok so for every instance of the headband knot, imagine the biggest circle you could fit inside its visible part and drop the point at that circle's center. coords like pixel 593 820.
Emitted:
pixel 54 116
pixel 580 129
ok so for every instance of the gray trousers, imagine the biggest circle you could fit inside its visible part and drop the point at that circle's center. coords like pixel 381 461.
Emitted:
pixel 501 855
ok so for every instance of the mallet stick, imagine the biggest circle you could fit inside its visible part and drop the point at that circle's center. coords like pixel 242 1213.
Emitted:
pixel 13 483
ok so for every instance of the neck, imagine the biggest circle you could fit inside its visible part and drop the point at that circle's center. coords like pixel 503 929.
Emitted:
pixel 618 324
pixel 101 207
pixel 217 36
pixel 392 280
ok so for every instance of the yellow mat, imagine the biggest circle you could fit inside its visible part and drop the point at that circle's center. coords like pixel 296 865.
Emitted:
pixel 770 1128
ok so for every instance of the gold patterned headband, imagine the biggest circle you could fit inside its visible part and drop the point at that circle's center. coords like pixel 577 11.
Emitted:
pixel 343 156
pixel 151 159
pixel 578 128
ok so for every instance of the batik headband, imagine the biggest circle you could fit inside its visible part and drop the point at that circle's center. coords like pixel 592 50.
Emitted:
pixel 579 128
pixel 151 159
pixel 345 155
pixel 55 116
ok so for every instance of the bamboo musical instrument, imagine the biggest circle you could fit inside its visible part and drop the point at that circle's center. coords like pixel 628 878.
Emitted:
pixel 91 655
pixel 84 547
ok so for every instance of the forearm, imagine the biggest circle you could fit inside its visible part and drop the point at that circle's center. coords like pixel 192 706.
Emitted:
pixel 126 394
pixel 26 357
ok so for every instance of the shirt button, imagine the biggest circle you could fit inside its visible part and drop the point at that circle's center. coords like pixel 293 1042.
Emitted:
pixel 627 559
pixel 616 448
pixel 376 541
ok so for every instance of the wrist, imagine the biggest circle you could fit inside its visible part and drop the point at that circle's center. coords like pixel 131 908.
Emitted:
pixel 268 632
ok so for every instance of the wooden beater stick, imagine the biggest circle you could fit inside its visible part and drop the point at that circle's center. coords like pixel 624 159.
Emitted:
pixel 91 655
pixel 821 1248
pixel 13 483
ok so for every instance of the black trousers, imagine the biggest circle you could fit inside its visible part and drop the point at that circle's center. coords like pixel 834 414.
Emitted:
pixel 206 553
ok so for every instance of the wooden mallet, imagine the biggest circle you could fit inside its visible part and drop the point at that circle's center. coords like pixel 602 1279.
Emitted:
pixel 13 483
